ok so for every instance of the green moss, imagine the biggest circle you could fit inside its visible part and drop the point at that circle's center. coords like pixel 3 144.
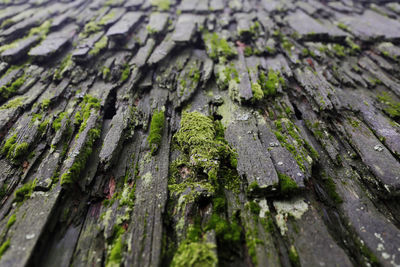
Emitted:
pixel 354 123
pixel 65 65
pixel 195 254
pixel 258 93
pixel 161 5
pixel 6 23
pixel 248 51
pixel 217 47
pixel 8 90
pixel 294 256
pixel 45 104
pixel 57 122
pixel 41 30
pixel 369 255
pixel 288 46
pixel 72 174
pixel 197 138
pixel 11 220
pixel 98 46
pixel 270 85
pixel 90 28
pixel 106 73
pixel 330 187
pixel 14 103
pixel 391 107
pixel 254 208
pixel 24 192
pixel 288 135
pixel 343 26
pixel 13 150
pixel 116 253
pixel 227 74
pixel 339 50
pixel 286 184
pixel 125 73
pixel 156 130
pixel 20 150
pixel 4 247
pixel 252 240
pixel 9 144
pixel 43 126
pixel 227 233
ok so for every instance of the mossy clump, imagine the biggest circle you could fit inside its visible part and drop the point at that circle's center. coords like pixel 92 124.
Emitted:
pixel 156 130
pixel 227 232
pixel 391 107
pixel 116 253
pixel 72 174
pixel 8 90
pixel 57 122
pixel 24 192
pixel 65 65
pixel 195 251
pixel 4 247
pixel 218 47
pixel 88 104
pixel 339 50
pixel 258 93
pixel 197 138
pixel 41 30
pixel 227 75
pixel 11 220
pixel 294 257
pixel 98 46
pixel 286 184
pixel 125 73
pixel 271 83
pixel 330 187
pixel 13 150
pixel 14 103
pixel 288 135
pixel 161 5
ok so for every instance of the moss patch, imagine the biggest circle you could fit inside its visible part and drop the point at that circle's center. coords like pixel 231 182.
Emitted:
pixel 24 192
pixel 156 130
pixel 99 45
pixel 217 47
pixel 4 247
pixel 391 107
pixel 8 90
pixel 194 251
pixel 161 5
pixel 286 184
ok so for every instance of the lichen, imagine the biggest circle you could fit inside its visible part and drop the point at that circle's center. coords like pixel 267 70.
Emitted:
pixel 156 130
